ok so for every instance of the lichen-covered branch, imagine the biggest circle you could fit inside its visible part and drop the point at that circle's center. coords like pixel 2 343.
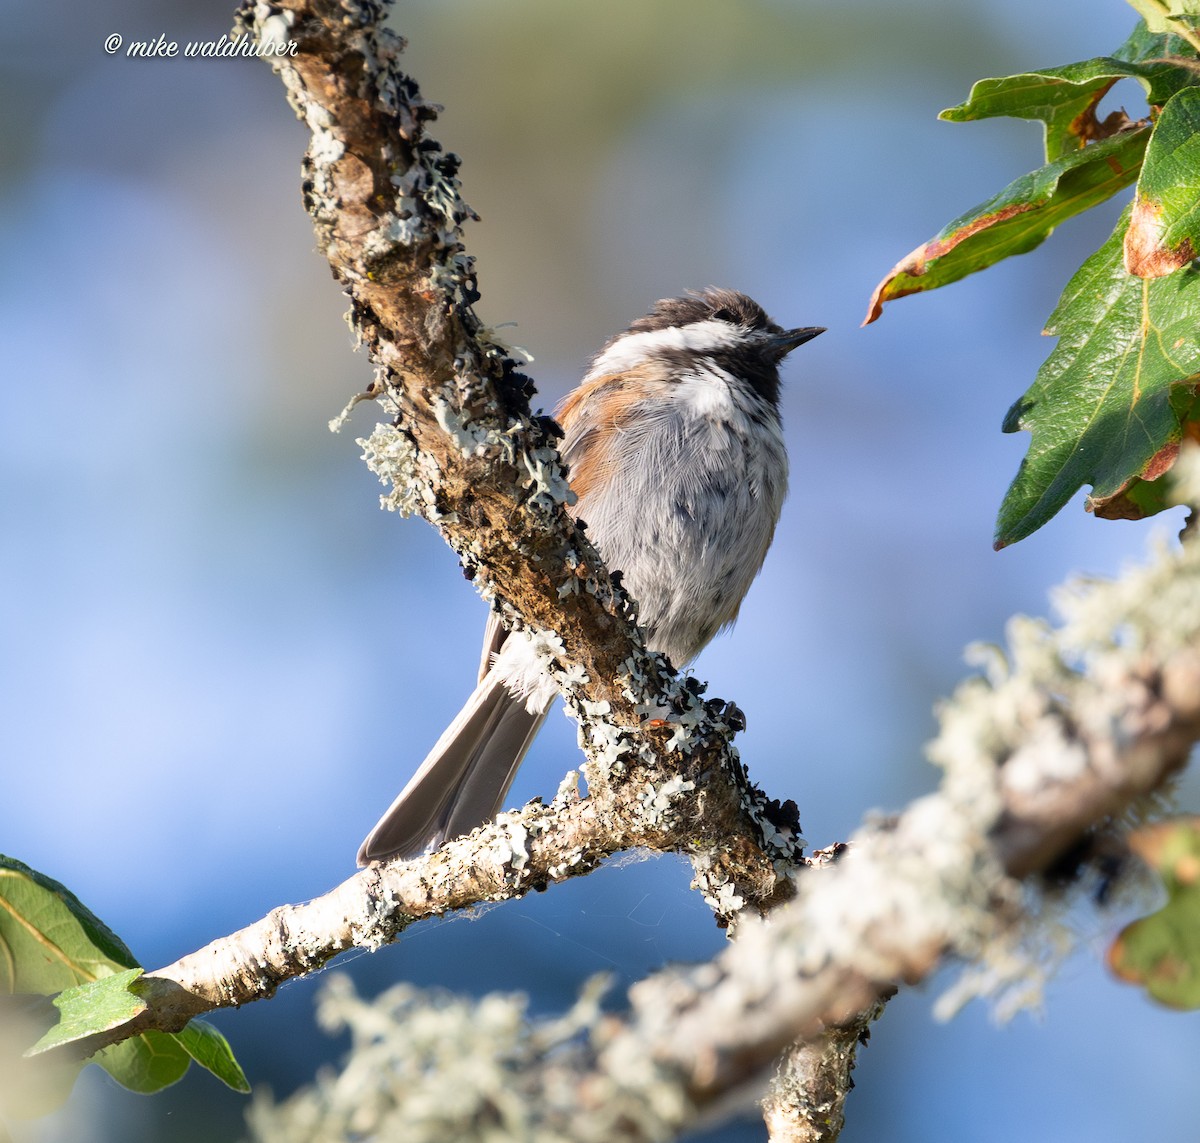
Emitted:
pixel 462 448
pixel 522 851
pixel 1085 719
pixel 806 1102
pixel 1075 727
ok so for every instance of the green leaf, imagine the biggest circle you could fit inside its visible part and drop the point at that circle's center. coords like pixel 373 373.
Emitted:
pixel 1065 98
pixel 50 942
pixel 146 1063
pixel 211 1050
pixel 1107 406
pixel 96 1006
pixel 1019 218
pixel 1146 45
pixel 1164 231
pixel 1149 494
pixel 1162 952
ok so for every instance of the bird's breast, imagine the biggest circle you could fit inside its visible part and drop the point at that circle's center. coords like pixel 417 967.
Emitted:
pixel 684 505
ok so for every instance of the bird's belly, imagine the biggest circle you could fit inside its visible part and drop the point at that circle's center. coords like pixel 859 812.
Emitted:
pixel 689 533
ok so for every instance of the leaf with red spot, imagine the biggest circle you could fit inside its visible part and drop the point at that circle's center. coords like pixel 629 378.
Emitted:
pixel 1120 391
pixel 1162 952
pixel 1164 231
pixel 1019 218
pixel 1110 404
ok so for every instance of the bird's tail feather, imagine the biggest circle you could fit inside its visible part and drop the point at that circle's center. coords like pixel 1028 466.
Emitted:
pixel 464 778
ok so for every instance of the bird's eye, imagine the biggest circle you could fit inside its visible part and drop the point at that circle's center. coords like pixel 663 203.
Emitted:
pixel 725 315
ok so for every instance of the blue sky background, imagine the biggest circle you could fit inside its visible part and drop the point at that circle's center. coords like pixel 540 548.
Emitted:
pixel 221 660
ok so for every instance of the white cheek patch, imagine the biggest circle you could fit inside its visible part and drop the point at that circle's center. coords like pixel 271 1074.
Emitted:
pixel 706 394
pixel 637 348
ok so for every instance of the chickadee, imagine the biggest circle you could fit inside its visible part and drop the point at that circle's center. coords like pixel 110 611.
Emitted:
pixel 675 451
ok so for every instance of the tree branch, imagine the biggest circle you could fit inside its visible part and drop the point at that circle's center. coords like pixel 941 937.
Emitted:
pixel 806 1101
pixel 1084 721
pixel 463 450
pixel 1081 723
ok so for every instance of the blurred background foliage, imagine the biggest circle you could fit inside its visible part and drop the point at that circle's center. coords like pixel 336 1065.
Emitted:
pixel 221 659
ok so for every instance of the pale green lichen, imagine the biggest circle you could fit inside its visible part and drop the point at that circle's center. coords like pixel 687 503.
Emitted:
pixel 393 458
pixel 568 788
pixel 574 676
pixel 427 1067
pixel 657 803
pixel 549 478
pixel 1024 727
pixel 275 26
pixel 605 743
pixel 510 846
pixel 470 438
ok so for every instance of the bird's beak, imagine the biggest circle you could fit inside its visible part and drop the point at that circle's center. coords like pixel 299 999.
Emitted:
pixel 782 344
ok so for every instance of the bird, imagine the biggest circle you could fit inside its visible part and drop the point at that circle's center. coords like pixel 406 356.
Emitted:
pixel 674 449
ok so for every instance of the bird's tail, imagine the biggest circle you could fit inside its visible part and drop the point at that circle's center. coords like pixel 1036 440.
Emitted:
pixel 464 778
